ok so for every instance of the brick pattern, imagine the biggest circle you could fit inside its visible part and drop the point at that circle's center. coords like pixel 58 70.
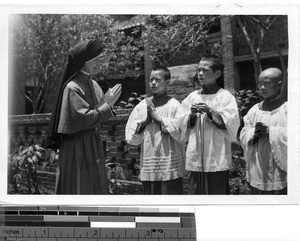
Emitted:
pixel 182 81
pixel 32 129
pixel 28 129
pixel 179 92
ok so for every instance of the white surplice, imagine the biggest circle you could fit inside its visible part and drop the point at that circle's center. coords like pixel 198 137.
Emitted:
pixel 267 159
pixel 216 155
pixel 162 155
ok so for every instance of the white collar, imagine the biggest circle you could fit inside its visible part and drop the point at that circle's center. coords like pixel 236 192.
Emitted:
pixel 89 75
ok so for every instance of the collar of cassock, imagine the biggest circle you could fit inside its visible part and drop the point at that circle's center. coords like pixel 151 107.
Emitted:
pixel 87 74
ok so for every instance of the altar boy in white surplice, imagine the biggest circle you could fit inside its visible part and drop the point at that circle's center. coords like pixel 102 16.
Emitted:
pixel 264 137
pixel 209 121
pixel 152 125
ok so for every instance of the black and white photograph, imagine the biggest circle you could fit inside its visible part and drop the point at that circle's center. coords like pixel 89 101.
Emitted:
pixel 148 104
pixel 194 105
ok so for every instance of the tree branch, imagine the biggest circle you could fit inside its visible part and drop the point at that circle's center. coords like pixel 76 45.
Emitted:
pixel 246 35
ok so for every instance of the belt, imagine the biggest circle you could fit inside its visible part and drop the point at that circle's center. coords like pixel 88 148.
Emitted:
pixel 93 130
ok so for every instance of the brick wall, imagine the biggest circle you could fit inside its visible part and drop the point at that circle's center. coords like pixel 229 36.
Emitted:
pixel 28 129
pixel 32 129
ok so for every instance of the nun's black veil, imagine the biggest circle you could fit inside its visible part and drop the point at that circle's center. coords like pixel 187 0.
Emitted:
pixel 79 54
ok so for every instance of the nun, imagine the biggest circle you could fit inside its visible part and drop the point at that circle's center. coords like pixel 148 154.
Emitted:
pixel 79 109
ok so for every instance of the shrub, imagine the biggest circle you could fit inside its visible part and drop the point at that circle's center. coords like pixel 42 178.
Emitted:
pixel 237 174
pixel 132 101
pixel 121 179
pixel 246 99
pixel 24 163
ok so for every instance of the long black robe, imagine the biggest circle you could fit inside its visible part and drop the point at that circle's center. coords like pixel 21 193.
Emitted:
pixel 81 167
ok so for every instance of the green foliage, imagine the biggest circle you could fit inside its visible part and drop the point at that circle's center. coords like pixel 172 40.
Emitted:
pixel 24 163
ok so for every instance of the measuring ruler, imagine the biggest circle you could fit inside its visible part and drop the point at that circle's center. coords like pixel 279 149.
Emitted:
pixel 86 223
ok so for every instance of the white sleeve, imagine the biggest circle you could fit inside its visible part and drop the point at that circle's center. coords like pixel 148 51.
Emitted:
pixel 134 119
pixel 248 129
pixel 278 142
pixel 230 115
pixel 182 117
pixel 171 123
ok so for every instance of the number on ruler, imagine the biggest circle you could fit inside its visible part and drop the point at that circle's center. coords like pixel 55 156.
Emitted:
pixel 157 230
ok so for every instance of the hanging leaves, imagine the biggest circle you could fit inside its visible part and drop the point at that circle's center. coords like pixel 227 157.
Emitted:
pixel 41 43
pixel 169 35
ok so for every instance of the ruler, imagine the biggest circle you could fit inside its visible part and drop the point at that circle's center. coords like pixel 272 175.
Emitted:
pixel 89 223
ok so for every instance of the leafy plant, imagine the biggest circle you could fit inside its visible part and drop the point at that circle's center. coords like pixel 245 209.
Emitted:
pixel 41 44
pixel 246 99
pixel 237 174
pixel 132 101
pixel 122 178
pixel 114 172
pixel 168 35
pixel 24 163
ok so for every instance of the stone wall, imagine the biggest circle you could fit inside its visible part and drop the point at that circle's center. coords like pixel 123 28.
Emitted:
pixel 182 81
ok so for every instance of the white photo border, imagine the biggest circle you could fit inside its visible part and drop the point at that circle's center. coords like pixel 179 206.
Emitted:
pixel 291 10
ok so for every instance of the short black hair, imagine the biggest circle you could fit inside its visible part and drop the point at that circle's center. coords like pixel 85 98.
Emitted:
pixel 166 72
pixel 216 62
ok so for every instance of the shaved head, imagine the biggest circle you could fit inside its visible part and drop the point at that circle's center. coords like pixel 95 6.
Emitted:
pixel 269 82
pixel 274 74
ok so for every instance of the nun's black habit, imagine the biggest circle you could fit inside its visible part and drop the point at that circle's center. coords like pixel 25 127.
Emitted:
pixel 78 111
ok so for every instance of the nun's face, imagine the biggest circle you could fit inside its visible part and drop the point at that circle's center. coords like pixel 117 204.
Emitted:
pixel 92 66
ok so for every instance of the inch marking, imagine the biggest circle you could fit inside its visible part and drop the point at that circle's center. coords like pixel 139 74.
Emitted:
pixel 69 224
pixel 45 232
